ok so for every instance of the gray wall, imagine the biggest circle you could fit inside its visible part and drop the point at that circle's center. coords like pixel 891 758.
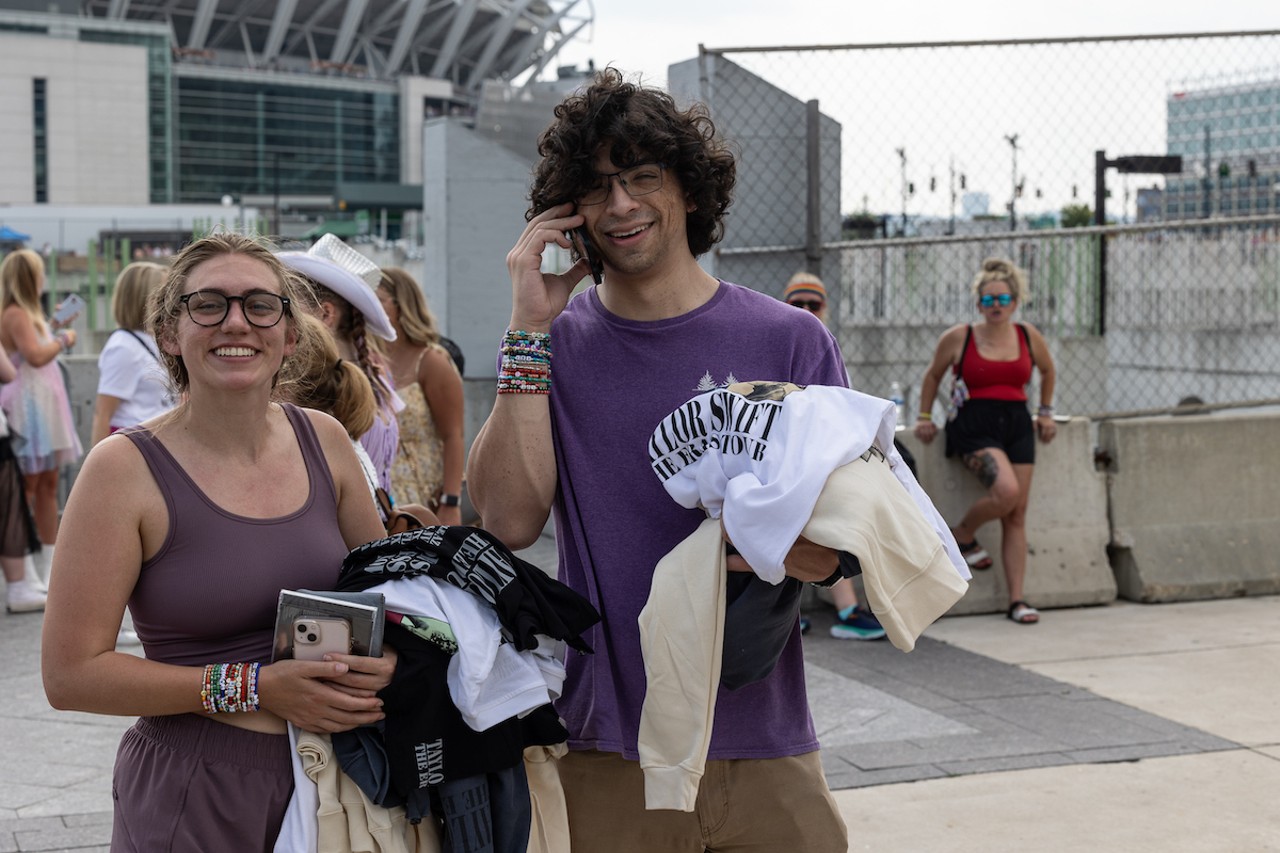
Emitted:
pixel 474 198
pixel 767 128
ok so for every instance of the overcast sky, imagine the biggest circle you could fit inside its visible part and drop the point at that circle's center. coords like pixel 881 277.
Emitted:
pixel 648 36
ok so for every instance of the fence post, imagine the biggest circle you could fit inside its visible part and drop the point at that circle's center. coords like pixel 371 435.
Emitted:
pixel 813 201
pixel 1100 218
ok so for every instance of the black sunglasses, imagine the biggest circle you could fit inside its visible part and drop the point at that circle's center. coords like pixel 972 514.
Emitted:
pixel 814 305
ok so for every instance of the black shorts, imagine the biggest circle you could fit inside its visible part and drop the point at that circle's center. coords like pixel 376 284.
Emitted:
pixel 1005 424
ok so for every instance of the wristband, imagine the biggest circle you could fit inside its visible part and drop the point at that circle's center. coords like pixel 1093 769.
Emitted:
pixel 924 416
pixel 450 500
pixel 1045 411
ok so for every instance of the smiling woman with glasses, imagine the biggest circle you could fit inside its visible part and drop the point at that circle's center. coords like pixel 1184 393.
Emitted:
pixel 210 307
pixel 196 520
pixel 988 424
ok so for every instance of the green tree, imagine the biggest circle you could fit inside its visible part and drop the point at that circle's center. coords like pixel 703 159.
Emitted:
pixel 1077 216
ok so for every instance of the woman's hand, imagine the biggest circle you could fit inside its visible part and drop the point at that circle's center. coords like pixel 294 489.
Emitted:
pixel 925 430
pixel 365 676
pixel 1046 428
pixel 316 695
pixel 450 515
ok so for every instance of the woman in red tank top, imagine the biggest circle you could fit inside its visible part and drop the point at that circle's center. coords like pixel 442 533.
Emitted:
pixel 991 362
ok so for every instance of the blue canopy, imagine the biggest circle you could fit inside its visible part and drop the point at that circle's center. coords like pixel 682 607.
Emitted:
pixel 8 235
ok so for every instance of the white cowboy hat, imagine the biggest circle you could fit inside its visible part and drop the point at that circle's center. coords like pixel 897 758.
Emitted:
pixel 349 274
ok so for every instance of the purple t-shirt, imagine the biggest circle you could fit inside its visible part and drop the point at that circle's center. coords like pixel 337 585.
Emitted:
pixel 613 381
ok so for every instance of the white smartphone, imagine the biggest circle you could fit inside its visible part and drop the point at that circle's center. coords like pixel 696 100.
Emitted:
pixel 316 636
pixel 69 309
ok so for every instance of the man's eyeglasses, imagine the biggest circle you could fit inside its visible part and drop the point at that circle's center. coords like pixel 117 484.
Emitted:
pixel 210 308
pixel 637 181
pixel 814 305
pixel 1004 300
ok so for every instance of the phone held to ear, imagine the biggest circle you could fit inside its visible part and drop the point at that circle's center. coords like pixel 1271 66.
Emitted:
pixel 589 252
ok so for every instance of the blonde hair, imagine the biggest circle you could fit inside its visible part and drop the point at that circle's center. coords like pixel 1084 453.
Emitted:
pixel 165 306
pixel 1002 269
pixel 134 287
pixel 417 323
pixel 350 328
pixel 21 275
pixel 320 380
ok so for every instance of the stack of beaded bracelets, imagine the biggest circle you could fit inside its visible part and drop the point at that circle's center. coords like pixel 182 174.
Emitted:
pixel 526 363
pixel 229 687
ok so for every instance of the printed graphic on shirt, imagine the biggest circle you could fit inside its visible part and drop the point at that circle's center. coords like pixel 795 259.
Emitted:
pixel 476 563
pixel 706 383
pixel 736 421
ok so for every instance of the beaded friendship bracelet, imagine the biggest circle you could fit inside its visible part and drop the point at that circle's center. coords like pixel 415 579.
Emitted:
pixel 526 363
pixel 229 687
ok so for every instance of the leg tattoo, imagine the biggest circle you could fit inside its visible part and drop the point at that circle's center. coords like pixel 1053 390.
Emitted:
pixel 984 466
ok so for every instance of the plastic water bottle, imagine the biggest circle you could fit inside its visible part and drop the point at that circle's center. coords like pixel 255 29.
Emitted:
pixel 899 403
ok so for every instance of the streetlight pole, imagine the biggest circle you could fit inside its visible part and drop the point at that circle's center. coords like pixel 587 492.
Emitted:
pixel 1012 139
pixel 902 154
pixel 951 227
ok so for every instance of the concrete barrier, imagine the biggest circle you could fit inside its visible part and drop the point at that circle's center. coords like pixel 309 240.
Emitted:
pixel 1193 506
pixel 1067 529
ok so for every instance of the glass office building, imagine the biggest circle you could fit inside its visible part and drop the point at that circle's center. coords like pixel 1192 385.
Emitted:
pixel 1229 139
pixel 251 137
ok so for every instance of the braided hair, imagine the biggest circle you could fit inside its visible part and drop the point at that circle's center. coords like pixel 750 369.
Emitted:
pixel 351 327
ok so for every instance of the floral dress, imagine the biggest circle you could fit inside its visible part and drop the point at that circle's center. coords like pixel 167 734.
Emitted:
pixel 418 471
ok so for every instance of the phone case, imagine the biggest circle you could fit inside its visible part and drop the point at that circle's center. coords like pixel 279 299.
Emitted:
pixel 315 637
pixel 593 259
pixel 362 611
pixel 71 306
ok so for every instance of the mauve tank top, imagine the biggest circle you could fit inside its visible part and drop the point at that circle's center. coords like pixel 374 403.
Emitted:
pixel 209 595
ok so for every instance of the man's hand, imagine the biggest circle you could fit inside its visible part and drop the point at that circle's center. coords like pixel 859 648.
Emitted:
pixel 537 298
pixel 806 561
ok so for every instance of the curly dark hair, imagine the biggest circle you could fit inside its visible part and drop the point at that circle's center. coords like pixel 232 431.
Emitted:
pixel 639 124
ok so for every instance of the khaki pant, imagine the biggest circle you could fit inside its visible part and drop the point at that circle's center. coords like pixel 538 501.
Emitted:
pixel 773 805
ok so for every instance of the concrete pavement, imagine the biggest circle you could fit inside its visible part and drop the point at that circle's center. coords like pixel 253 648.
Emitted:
pixel 1119 728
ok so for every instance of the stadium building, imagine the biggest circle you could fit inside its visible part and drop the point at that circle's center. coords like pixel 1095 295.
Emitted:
pixel 300 105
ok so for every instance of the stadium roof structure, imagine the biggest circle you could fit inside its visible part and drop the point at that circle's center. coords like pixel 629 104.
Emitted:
pixel 463 41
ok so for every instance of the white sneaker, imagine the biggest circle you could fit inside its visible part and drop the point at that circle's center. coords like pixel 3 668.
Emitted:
pixel 21 598
pixel 31 575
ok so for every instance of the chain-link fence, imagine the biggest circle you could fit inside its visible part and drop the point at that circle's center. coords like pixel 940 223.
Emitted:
pixel 893 170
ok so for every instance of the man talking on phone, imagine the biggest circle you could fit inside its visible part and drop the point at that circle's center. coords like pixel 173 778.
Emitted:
pixel 650 184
